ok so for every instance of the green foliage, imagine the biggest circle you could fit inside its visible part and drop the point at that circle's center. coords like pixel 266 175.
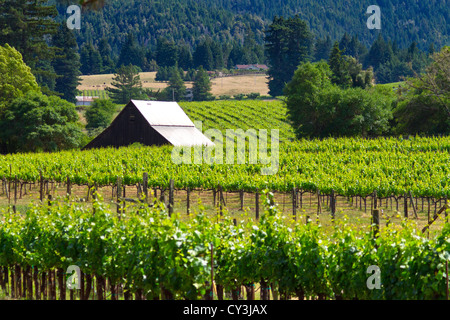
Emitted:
pixel 176 88
pixel 92 62
pixel 35 122
pixel 26 26
pixel 424 104
pixel 311 165
pixel 339 67
pixel 99 114
pixel 319 108
pixel 146 249
pixel 131 53
pixel 202 86
pixel 126 85
pixel 16 79
pixel 66 64
pixel 288 43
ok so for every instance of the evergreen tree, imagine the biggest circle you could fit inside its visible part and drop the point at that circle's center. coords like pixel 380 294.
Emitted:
pixel 344 44
pixel 67 64
pixel 380 52
pixel 96 61
pixel 185 58
pixel 176 89
pixel 166 53
pixel 339 68
pixel 127 83
pixel 322 49
pixel 131 53
pixel 85 59
pixel 202 86
pixel 26 25
pixel 217 55
pixel 105 52
pixel 91 60
pixel 288 43
pixel 203 56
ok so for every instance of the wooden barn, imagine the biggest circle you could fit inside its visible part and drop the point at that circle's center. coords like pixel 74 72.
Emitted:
pixel 150 123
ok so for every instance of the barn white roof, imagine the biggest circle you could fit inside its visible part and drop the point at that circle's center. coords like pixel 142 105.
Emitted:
pixel 169 119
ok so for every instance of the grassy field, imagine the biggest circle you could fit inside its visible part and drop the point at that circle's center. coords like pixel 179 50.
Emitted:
pixel 221 86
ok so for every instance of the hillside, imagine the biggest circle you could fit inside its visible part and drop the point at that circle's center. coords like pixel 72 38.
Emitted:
pixel 190 21
pixel 219 86
pixel 245 114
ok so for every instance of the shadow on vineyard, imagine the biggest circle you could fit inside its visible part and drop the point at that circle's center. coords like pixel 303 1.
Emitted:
pixel 141 251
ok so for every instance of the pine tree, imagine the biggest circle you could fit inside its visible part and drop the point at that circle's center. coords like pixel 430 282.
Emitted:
pixel 25 25
pixel 176 89
pixel 105 52
pixel 131 53
pixel 202 86
pixel 185 58
pixel 203 56
pixel 67 64
pixel 380 52
pixel 166 53
pixel 322 49
pixel 288 44
pixel 217 55
pixel 127 83
pixel 339 68
pixel 96 61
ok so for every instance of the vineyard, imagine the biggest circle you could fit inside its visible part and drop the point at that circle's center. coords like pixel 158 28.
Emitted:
pixel 349 167
pixel 252 114
pixel 144 253
pixel 102 94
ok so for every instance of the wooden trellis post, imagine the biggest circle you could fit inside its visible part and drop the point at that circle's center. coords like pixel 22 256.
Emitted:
pixel 171 202
pixel 145 186
pixel 257 204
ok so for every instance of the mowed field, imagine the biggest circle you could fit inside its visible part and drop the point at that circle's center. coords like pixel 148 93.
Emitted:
pixel 221 86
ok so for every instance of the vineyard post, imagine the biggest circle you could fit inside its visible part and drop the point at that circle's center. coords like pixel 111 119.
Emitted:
pixel 405 198
pixel 119 190
pixel 319 208
pixel 241 194
pixel 446 213
pixel 332 205
pixel 412 204
pixel 294 205
pixel 374 200
pixel 221 200
pixel 145 186
pixel 171 183
pixel 41 188
pixel 188 201
pixel 6 187
pixel 69 187
pixel 257 204
pixel 376 222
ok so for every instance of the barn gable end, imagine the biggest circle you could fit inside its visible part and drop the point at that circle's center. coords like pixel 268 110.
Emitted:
pixel 150 123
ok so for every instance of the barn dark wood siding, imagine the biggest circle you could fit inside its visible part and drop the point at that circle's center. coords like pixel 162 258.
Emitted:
pixel 127 128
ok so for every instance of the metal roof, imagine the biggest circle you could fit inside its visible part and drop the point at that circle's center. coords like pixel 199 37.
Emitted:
pixel 169 120
pixel 183 136
pixel 162 113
